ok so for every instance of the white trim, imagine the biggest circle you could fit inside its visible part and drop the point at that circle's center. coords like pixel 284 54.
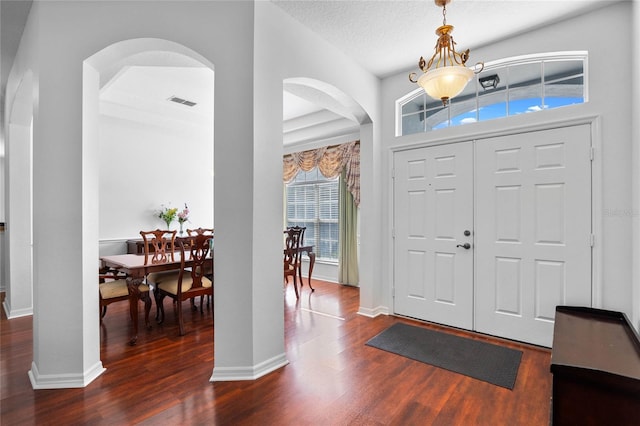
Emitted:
pixel 546 124
pixel 225 374
pixel 398 108
pixel 372 313
pixel 597 206
pixel 62 381
pixel 315 143
pixel 536 57
pixel 16 313
pixel 117 240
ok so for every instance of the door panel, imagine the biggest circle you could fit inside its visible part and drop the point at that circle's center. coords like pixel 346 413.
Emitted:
pixel 433 207
pixel 533 247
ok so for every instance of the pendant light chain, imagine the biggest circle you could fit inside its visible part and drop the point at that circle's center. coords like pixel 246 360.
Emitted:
pixel 445 74
pixel 444 14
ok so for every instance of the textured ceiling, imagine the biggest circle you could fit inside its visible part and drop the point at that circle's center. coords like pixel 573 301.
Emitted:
pixel 384 36
pixel 388 36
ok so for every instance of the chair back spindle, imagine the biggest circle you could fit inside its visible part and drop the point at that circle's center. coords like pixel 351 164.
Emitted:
pixel 163 244
pixel 301 229
pixel 198 252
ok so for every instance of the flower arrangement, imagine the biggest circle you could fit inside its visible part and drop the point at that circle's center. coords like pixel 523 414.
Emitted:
pixel 168 214
pixel 183 216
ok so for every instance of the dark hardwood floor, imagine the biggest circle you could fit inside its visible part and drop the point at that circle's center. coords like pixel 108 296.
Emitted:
pixel 332 378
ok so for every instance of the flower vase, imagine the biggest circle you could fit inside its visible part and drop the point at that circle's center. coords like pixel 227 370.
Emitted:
pixel 181 231
pixel 168 225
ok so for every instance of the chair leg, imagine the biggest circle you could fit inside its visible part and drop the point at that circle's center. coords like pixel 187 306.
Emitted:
pixel 295 286
pixel 180 320
pixel 160 308
pixel 147 309
pixel 156 296
pixel 299 268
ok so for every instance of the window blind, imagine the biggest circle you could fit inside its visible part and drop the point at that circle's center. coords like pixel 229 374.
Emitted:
pixel 312 202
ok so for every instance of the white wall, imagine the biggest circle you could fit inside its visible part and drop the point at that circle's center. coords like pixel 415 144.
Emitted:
pixel 2 261
pixel 2 181
pixel 143 166
pixel 65 173
pixel 292 51
pixel 609 100
pixel 635 162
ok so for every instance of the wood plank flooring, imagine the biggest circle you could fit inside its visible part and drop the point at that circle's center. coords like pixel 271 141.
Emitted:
pixel 332 378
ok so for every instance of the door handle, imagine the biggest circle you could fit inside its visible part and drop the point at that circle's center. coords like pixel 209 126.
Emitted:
pixel 466 246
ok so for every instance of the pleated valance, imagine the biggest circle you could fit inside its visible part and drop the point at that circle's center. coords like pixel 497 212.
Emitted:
pixel 330 160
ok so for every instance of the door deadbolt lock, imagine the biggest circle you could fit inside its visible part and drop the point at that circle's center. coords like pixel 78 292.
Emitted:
pixel 467 233
pixel 466 246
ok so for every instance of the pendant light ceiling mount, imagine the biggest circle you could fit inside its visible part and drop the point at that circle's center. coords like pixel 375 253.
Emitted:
pixel 445 75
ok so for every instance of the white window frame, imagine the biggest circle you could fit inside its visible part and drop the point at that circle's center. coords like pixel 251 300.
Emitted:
pixel 495 65
pixel 317 220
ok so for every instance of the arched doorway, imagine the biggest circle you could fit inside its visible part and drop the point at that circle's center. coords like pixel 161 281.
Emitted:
pixel 19 211
pixel 155 140
pixel 344 120
pixel 155 146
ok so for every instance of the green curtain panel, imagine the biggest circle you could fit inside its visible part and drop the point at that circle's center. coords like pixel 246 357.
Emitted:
pixel 348 241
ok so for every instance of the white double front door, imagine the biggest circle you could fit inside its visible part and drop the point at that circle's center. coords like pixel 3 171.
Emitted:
pixel 491 235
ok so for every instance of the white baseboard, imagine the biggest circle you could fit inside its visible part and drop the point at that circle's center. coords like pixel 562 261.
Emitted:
pixel 16 313
pixel 372 313
pixel 225 374
pixel 64 381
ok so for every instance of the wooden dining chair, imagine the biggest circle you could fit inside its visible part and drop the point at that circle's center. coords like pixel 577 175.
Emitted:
pixel 302 229
pixel 113 288
pixel 193 233
pixel 292 256
pixel 159 247
pixel 200 231
pixel 191 281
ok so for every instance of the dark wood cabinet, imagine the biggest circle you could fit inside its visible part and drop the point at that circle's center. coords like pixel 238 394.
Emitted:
pixel 136 246
pixel 595 364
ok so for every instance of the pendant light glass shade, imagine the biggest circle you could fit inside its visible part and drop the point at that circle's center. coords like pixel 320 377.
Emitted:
pixel 446 82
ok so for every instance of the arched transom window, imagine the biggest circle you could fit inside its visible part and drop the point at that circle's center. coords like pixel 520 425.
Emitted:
pixel 504 88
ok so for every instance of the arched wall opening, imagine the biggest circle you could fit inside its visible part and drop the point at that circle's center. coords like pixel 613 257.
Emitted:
pixel 155 144
pixel 150 172
pixel 19 207
pixel 331 117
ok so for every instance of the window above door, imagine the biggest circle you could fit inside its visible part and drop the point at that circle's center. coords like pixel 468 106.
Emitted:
pixel 506 87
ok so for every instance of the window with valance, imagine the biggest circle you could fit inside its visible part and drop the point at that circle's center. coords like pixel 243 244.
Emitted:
pixel 323 195
pixel 330 161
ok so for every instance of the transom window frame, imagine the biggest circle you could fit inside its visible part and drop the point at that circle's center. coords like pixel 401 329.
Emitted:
pixel 445 114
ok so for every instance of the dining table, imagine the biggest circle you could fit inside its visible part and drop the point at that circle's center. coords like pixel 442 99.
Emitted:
pixel 137 269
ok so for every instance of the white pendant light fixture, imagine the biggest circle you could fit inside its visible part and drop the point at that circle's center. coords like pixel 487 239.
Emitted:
pixel 445 75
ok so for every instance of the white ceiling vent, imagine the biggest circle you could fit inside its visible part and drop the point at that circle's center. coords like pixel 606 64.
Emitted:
pixel 181 101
